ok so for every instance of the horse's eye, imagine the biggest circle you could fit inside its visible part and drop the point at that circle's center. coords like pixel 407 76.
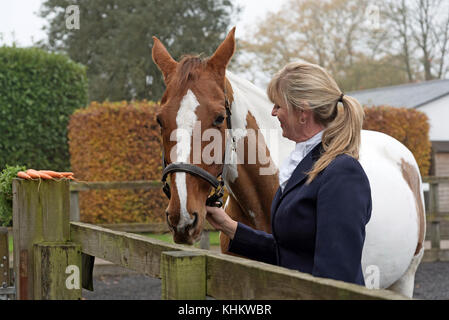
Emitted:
pixel 219 120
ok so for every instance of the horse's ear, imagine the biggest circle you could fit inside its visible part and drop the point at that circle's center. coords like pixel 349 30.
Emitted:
pixel 223 54
pixel 163 59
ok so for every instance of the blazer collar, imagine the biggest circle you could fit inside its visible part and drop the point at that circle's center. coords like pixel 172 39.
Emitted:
pixel 300 173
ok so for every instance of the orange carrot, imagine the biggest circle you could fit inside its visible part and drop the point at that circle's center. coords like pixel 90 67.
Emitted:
pixel 45 176
pixel 23 175
pixel 66 174
pixel 51 173
pixel 33 173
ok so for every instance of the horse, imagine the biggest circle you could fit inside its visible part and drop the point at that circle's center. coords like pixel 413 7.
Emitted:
pixel 247 151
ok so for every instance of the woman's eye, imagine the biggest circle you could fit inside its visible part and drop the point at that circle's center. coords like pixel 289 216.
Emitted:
pixel 219 120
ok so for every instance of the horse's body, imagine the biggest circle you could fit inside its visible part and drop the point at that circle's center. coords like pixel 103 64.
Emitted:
pixel 196 91
pixel 397 224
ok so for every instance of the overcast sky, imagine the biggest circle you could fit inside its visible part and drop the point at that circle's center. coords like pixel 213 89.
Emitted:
pixel 19 20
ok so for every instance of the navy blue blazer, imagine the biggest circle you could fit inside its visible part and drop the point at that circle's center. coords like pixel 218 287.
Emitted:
pixel 317 228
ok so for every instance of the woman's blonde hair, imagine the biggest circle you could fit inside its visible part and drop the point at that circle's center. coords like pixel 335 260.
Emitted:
pixel 302 85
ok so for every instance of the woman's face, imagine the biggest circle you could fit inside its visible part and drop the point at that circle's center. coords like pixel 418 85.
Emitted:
pixel 290 122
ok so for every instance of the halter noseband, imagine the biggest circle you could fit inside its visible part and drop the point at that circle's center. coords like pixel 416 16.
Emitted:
pixel 215 200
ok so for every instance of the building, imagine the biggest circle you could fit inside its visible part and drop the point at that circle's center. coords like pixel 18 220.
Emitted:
pixel 432 98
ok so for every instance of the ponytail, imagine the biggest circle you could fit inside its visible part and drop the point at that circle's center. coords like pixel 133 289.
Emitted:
pixel 342 135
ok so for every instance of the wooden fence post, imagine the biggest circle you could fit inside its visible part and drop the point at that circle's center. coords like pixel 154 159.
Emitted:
pixel 183 275
pixel 57 272
pixel 41 234
pixel 4 258
pixel 74 206
pixel 435 234
pixel 433 198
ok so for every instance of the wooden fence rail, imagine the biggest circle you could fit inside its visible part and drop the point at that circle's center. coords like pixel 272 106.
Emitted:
pixel 48 252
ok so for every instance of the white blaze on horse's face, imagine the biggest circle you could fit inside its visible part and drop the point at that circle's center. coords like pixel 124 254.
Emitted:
pixel 185 121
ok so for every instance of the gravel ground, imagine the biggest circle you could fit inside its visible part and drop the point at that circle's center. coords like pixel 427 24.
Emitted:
pixel 124 287
pixel 432 282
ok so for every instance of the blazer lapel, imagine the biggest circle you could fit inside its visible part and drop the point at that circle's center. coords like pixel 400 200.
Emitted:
pixel 297 177
pixel 303 167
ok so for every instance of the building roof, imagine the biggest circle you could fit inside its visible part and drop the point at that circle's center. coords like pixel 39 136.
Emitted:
pixel 440 146
pixel 411 95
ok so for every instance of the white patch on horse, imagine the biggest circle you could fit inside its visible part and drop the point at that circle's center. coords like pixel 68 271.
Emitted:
pixel 249 99
pixel 185 120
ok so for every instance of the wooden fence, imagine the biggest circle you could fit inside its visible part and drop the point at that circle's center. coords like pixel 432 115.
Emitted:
pixel 49 251
pixel 76 187
pixel 437 222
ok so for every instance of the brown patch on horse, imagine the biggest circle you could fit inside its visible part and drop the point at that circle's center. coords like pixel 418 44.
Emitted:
pixel 411 176
pixel 249 175
pixel 234 210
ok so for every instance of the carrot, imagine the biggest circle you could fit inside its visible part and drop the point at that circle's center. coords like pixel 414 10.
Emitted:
pixel 33 173
pixel 70 177
pixel 45 176
pixel 23 175
pixel 66 174
pixel 51 173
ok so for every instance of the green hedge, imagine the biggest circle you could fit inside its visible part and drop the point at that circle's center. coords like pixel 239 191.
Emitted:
pixel 38 93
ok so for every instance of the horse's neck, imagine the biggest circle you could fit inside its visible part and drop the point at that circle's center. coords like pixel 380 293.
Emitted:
pixel 252 179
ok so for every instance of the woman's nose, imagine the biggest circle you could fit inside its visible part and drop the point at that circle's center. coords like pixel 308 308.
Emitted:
pixel 274 111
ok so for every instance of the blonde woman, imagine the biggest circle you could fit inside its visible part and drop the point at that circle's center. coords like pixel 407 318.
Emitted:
pixel 323 203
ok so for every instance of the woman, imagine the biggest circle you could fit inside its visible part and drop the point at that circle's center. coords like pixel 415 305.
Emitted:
pixel 320 210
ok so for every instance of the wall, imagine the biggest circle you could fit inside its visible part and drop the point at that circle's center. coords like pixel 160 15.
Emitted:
pixel 438 113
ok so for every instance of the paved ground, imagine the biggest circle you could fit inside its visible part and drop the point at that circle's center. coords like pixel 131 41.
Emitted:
pixel 432 282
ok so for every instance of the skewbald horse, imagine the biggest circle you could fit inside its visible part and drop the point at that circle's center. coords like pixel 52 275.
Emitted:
pixel 193 110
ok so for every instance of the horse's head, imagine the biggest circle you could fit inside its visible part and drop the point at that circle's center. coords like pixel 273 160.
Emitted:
pixel 192 114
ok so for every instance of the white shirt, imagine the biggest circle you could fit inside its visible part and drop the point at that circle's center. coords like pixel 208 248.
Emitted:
pixel 301 150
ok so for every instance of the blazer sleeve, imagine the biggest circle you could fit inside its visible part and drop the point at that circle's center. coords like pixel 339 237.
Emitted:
pixel 343 210
pixel 254 244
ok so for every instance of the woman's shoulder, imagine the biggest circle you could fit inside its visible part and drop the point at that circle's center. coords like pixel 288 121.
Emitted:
pixel 345 164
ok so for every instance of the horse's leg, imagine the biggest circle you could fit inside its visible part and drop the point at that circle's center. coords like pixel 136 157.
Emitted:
pixel 236 213
pixel 406 283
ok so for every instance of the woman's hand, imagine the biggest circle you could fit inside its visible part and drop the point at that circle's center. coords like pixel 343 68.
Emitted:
pixel 219 219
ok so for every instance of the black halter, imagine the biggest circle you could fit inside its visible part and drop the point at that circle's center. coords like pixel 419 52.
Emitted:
pixel 215 200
